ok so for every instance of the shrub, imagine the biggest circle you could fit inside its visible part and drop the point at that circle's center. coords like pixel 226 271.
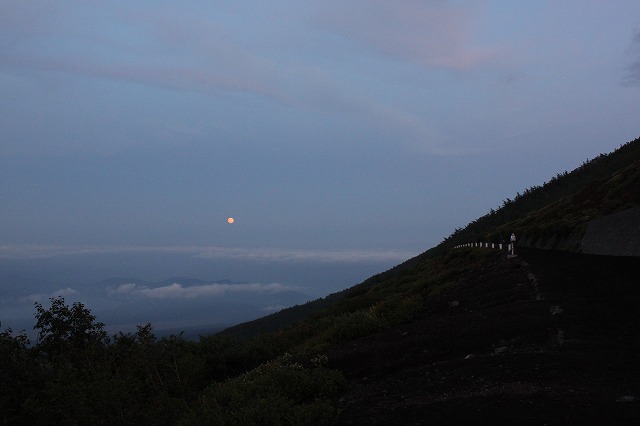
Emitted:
pixel 356 324
pixel 279 392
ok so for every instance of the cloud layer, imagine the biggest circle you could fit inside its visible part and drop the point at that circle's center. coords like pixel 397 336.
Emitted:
pixel 304 58
pixel 29 251
pixel 43 298
pixel 177 290
pixel 437 35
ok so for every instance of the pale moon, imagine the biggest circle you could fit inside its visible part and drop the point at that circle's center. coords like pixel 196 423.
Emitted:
pixel 230 220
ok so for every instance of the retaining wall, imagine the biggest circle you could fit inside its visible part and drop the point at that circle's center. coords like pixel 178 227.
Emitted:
pixel 615 235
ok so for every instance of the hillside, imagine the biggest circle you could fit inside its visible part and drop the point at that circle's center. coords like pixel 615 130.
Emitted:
pixel 544 338
pixel 453 334
pixel 578 211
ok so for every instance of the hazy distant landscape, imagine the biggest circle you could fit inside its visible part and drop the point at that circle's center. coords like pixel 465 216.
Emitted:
pixel 175 291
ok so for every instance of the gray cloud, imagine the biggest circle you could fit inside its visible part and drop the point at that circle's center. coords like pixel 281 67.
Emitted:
pixel 431 34
pixel 264 254
pixel 199 52
pixel 182 51
pixel 41 297
pixel 179 291
pixel 292 255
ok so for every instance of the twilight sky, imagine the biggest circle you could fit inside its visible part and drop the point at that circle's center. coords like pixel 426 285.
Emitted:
pixel 330 130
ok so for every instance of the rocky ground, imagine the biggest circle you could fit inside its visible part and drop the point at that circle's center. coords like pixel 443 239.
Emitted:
pixel 542 338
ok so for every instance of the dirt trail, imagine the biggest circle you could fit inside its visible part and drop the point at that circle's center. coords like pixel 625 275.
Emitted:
pixel 543 338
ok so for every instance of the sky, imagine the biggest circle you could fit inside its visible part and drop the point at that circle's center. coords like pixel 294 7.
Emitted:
pixel 333 132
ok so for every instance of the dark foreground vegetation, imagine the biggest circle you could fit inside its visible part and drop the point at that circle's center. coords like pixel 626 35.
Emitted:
pixel 76 374
pixel 453 336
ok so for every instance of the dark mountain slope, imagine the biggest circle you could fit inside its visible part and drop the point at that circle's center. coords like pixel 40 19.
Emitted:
pixel 468 336
pixel 554 215
pixel 544 338
pixel 323 306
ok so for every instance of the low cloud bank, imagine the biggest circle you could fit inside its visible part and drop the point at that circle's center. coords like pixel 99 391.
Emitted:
pixel 177 290
pixel 41 297
pixel 264 254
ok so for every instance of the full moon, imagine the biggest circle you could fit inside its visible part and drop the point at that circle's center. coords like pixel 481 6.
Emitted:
pixel 230 220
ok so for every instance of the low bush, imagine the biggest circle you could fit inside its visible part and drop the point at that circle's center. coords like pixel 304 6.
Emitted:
pixel 279 392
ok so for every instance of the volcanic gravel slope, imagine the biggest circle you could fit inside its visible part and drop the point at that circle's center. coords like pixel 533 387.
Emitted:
pixel 542 338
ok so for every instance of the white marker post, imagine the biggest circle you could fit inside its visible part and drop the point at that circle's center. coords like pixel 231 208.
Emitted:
pixel 512 244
